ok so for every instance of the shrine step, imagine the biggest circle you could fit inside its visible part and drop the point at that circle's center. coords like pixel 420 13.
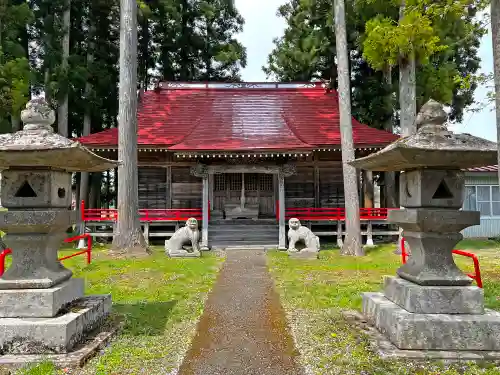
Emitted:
pixel 243 229
pixel 233 233
pixel 243 238
pixel 231 222
pixel 229 247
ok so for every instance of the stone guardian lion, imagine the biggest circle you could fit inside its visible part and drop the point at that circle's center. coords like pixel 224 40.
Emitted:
pixel 185 241
pixel 300 234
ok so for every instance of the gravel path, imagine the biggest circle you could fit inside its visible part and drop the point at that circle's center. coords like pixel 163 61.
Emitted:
pixel 243 329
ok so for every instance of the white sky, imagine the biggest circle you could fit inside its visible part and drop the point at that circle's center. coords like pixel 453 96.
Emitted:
pixel 262 26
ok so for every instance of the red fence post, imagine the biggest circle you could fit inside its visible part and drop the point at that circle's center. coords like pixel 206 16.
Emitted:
pixel 403 250
pixel 477 271
pixel 89 249
pixel 3 254
pixel 82 210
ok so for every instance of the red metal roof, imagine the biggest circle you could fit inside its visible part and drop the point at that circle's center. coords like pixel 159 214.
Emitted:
pixel 240 117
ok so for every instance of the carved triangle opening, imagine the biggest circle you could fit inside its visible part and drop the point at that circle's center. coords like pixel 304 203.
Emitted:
pixel 25 191
pixel 442 191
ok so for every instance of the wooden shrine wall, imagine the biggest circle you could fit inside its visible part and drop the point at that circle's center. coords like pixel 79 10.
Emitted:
pixel 152 188
pixel 299 188
pixel 318 183
pixel 315 186
pixel 331 186
pixel 186 188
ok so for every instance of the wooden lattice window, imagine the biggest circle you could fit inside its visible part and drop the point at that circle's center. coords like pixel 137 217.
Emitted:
pixel 233 181
pixel 251 181
pixel 266 182
pixel 220 182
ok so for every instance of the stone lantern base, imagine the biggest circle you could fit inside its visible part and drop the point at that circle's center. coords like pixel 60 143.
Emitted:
pixel 433 318
pixel 49 321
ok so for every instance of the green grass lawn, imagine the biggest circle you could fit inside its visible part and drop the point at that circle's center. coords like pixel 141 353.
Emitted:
pixel 315 292
pixel 159 301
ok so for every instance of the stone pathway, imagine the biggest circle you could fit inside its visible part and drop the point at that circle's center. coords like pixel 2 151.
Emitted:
pixel 243 329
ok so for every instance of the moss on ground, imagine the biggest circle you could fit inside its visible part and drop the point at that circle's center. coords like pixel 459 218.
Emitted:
pixel 314 293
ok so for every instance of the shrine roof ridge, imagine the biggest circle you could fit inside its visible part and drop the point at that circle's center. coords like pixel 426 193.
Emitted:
pixel 175 85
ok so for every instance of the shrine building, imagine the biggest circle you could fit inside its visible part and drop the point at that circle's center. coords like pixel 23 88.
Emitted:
pixel 243 158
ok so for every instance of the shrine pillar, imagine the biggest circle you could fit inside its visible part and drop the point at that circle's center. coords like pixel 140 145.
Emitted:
pixel 201 170
pixel 285 170
pixel 281 208
pixel 368 189
pixel 205 214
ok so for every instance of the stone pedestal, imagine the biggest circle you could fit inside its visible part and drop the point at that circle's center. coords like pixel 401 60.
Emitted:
pixel 59 334
pixel 186 254
pixel 235 211
pixel 39 303
pixel 304 255
pixel 434 299
pixel 447 330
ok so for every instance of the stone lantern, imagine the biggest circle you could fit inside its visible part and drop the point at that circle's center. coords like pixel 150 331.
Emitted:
pixel 430 304
pixel 42 308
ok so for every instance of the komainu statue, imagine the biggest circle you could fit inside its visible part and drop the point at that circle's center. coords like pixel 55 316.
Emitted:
pixel 299 235
pixel 185 241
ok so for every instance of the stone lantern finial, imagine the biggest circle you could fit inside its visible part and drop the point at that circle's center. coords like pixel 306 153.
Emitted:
pixel 432 114
pixel 38 116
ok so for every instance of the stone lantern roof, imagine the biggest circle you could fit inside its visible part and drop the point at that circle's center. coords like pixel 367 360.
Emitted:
pixel 433 146
pixel 36 145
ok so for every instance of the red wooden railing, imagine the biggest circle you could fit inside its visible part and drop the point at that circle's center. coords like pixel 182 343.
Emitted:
pixel 87 251
pixel 476 276
pixel 182 214
pixel 145 215
pixel 321 214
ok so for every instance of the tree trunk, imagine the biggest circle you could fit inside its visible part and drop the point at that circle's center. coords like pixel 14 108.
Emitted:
pixel 407 91
pixel 352 244
pixel 390 192
pixel 95 190
pixel 185 73
pixel 144 55
pixel 407 101
pixel 495 34
pixel 128 236
pixel 368 190
pixel 62 110
pixel 16 122
pixel 87 124
pixel 407 97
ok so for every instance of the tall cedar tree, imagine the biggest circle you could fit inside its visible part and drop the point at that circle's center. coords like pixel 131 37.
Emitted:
pixel 495 34
pixel 128 236
pixel 352 244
